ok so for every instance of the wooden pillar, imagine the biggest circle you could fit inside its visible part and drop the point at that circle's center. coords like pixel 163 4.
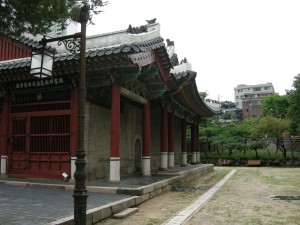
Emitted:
pixel 197 145
pixel 193 144
pixel 4 135
pixel 74 130
pixel 183 142
pixel 114 174
pixel 164 140
pixel 146 166
pixel 171 140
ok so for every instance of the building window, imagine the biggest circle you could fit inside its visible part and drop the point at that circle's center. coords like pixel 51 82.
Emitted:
pixel 257 89
pixel 240 90
pixel 237 97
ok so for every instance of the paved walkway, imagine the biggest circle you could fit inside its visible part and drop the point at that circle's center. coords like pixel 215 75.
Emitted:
pixel 193 208
pixel 41 201
pixel 35 205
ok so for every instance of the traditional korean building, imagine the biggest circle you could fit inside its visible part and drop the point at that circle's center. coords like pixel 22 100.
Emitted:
pixel 140 103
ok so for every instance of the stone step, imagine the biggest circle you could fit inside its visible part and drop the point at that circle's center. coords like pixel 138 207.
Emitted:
pixel 125 213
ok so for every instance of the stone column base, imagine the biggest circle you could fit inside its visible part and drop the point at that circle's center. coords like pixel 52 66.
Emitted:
pixel 198 158
pixel 194 158
pixel 114 172
pixel 171 159
pixel 163 160
pixel 146 166
pixel 184 159
pixel 3 165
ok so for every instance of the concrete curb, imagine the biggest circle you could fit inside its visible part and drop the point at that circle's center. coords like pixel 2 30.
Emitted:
pixel 99 213
pixel 192 209
pixel 138 194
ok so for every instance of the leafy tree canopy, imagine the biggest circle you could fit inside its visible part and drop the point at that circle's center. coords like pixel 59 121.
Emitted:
pixel 294 105
pixel 35 16
pixel 227 105
pixel 276 106
pixel 273 128
pixel 203 94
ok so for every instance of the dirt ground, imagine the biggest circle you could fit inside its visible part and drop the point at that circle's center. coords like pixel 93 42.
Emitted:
pixel 245 199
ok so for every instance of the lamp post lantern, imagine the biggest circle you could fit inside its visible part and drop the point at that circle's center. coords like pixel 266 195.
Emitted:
pixel 41 67
pixel 42 63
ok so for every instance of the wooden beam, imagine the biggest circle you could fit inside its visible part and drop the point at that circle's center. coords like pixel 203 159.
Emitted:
pixel 133 96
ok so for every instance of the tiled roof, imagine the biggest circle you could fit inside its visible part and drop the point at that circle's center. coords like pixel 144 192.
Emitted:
pixel 174 60
pixel 31 42
pixel 130 48
pixel 185 93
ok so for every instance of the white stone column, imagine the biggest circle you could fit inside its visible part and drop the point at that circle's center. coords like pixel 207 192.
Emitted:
pixel 164 160
pixel 194 158
pixel 73 167
pixel 198 157
pixel 184 158
pixel 146 171
pixel 3 165
pixel 114 172
pixel 171 159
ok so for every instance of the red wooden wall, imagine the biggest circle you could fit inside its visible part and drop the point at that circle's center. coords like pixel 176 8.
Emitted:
pixel 13 50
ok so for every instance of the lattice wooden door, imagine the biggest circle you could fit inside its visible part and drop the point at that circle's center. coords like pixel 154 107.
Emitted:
pixel 19 152
pixel 40 135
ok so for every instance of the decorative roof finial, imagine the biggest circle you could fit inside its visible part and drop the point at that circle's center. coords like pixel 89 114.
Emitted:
pixel 170 43
pixel 152 21
pixel 183 61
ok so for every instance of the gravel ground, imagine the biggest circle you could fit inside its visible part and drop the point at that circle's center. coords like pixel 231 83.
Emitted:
pixel 249 197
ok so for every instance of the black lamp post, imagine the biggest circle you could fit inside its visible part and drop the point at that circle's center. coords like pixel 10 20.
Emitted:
pixel 80 193
pixel 41 67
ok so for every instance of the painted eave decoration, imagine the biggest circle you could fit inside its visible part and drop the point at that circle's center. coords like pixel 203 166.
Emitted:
pixel 138 57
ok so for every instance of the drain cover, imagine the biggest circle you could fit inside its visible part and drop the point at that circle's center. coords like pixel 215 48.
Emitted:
pixel 288 198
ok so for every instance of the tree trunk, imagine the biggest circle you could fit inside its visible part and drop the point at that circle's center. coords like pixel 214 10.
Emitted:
pixel 217 148
pixel 292 149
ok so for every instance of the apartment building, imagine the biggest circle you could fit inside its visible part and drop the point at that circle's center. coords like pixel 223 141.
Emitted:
pixel 62 29
pixel 249 98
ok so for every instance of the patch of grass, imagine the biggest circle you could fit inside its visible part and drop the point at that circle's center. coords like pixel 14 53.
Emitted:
pixel 153 222
pixel 254 221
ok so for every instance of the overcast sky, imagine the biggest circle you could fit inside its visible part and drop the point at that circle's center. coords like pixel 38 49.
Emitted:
pixel 228 42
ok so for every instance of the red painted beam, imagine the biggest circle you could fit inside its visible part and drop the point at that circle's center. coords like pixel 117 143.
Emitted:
pixel 171 132
pixel 183 136
pixel 115 121
pixel 147 141
pixel 164 133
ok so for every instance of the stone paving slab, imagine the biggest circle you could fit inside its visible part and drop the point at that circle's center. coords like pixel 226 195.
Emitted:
pixel 22 205
pixel 41 201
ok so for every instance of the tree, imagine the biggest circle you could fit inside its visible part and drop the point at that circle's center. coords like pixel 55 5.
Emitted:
pixel 273 128
pixel 203 94
pixel 207 133
pixel 255 145
pixel 231 137
pixel 35 16
pixel 276 106
pixel 294 105
pixel 227 105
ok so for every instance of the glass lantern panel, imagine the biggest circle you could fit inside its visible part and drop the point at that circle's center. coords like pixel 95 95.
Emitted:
pixel 47 65
pixel 36 61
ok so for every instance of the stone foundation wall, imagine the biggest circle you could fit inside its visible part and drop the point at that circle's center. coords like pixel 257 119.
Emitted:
pixel 97 139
